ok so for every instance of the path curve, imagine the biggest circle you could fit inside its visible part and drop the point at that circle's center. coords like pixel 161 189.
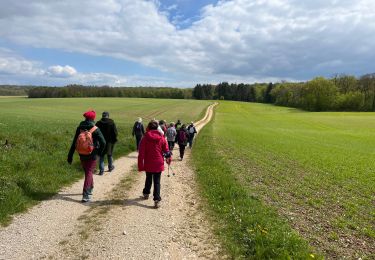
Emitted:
pixel 118 224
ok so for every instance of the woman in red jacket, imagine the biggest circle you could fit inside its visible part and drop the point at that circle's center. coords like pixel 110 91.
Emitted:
pixel 152 150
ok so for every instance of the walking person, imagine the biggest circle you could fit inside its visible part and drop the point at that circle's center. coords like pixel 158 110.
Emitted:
pixel 177 126
pixel 89 142
pixel 192 131
pixel 138 131
pixel 108 128
pixel 163 126
pixel 171 136
pixel 182 139
pixel 152 149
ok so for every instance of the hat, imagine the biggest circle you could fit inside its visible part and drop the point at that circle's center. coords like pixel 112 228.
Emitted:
pixel 105 114
pixel 90 115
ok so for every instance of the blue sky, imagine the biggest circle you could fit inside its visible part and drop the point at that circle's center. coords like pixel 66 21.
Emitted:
pixel 180 43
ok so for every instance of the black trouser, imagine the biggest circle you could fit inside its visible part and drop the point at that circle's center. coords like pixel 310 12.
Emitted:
pixel 191 137
pixel 138 140
pixel 170 145
pixel 182 150
pixel 156 177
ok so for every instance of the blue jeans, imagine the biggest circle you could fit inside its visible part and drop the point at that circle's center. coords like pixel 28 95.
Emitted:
pixel 108 152
pixel 101 162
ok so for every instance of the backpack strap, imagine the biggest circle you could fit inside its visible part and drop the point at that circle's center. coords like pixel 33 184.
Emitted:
pixel 92 130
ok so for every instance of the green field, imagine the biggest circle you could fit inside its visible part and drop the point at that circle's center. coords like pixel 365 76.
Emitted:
pixel 40 132
pixel 274 175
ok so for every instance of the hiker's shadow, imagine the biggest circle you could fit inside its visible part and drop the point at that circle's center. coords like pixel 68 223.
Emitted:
pixel 114 202
pixel 68 197
pixel 135 202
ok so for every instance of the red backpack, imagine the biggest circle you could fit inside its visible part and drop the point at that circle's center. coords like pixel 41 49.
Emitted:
pixel 182 136
pixel 85 142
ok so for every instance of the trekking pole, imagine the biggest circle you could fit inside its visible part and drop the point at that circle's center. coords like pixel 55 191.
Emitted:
pixel 171 169
pixel 168 171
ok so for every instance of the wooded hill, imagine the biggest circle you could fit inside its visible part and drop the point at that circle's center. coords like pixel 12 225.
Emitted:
pixel 106 91
pixel 340 93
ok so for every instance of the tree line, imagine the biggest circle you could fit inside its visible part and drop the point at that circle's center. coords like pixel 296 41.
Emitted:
pixel 11 90
pixel 339 93
pixel 107 91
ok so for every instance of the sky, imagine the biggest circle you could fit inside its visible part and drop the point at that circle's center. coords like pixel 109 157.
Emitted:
pixel 180 43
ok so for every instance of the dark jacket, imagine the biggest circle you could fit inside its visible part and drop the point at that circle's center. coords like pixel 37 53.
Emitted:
pixel 108 128
pixel 138 129
pixel 98 139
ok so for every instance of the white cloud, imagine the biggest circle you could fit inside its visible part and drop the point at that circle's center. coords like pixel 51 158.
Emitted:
pixel 15 69
pixel 13 64
pixel 61 71
pixel 244 39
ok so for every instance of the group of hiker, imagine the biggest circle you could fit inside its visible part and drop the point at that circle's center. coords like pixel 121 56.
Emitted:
pixel 173 132
pixel 154 144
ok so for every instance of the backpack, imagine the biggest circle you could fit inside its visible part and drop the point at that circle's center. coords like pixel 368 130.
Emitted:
pixel 170 133
pixel 182 136
pixel 85 142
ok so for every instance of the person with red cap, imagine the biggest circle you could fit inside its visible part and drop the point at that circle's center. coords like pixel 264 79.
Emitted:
pixel 152 150
pixel 87 132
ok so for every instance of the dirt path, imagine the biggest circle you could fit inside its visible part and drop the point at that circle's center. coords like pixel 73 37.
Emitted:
pixel 118 224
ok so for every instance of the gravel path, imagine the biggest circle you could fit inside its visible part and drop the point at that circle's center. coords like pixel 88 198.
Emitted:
pixel 118 224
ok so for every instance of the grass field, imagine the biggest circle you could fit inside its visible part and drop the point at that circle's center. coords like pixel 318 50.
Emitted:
pixel 268 170
pixel 40 132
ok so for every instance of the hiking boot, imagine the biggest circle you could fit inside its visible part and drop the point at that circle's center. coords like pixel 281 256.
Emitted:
pixel 111 168
pixel 145 196
pixel 85 199
pixel 89 191
pixel 101 172
pixel 157 204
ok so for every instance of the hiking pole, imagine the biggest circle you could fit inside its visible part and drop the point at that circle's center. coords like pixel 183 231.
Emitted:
pixel 168 171
pixel 171 169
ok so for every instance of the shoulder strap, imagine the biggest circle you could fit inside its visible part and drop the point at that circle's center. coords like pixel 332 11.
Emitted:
pixel 92 130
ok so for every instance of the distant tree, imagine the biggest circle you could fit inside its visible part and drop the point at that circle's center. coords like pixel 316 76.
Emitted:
pixel 345 83
pixel 223 89
pixel 367 86
pixel 209 91
pixel 267 93
pixel 251 95
pixel 351 101
pixel 198 92
pixel 320 94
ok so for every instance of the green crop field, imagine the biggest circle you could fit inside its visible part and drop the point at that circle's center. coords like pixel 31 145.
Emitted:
pixel 285 183
pixel 40 132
